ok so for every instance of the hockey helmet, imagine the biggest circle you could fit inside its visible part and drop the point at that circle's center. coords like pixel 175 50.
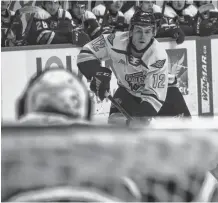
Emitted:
pixel 143 19
pixel 49 82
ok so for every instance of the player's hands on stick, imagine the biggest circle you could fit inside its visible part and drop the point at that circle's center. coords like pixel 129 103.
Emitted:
pixel 100 83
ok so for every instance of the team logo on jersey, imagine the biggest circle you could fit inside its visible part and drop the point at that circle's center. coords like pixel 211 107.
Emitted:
pixel 110 38
pixel 121 61
pixel 136 81
pixel 98 43
pixel 134 61
pixel 53 24
pixel 159 64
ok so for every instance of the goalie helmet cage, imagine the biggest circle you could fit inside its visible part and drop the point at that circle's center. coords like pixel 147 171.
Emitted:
pixel 160 164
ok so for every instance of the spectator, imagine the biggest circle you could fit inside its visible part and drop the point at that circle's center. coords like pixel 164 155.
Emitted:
pixel 11 26
pixel 55 96
pixel 182 13
pixel 85 21
pixel 206 21
pixel 50 25
pixel 147 6
pixel 114 18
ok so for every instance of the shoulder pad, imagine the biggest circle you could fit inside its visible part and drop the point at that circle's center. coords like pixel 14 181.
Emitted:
pixel 120 14
pixel 12 13
pixel 89 15
pixel 99 10
pixel 68 15
pixel 61 13
pixel 128 14
pixel 190 11
pixel 169 12
pixel 42 14
pixel 156 9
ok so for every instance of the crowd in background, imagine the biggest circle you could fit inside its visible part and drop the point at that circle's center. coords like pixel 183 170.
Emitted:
pixel 59 22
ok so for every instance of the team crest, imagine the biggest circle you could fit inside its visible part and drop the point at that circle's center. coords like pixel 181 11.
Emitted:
pixel 98 43
pixel 110 38
pixel 134 61
pixel 136 81
pixel 159 64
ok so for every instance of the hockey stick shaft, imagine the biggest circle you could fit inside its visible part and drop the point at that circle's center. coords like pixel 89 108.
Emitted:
pixel 162 14
pixel 118 106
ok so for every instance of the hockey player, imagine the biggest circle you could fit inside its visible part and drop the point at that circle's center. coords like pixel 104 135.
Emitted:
pixel 147 6
pixel 51 25
pixel 181 13
pixel 165 29
pixel 140 66
pixel 207 18
pixel 11 27
pixel 55 96
pixel 85 21
pixel 113 20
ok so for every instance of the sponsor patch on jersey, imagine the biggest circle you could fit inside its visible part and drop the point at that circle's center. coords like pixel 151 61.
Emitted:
pixel 98 43
pixel 136 81
pixel 159 63
pixel 110 38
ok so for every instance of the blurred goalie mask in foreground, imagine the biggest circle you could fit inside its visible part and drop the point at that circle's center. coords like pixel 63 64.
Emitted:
pixel 55 91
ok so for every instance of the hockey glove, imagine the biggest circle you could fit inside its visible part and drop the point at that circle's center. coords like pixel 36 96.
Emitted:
pixel 178 34
pixel 100 83
pixel 80 38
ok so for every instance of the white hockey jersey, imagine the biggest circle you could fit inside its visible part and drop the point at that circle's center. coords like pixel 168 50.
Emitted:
pixel 145 77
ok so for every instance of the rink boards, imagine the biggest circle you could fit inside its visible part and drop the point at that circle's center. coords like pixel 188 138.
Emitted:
pixel 194 62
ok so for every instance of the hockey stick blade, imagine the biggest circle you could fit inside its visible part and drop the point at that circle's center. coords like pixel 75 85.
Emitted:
pixel 117 105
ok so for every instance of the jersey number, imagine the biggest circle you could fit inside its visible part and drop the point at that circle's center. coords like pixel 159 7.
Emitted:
pixel 41 24
pixel 159 81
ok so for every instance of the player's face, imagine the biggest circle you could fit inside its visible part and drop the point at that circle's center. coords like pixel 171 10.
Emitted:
pixel 52 7
pixel 147 6
pixel 4 5
pixel 116 5
pixel 141 36
pixel 79 10
pixel 178 5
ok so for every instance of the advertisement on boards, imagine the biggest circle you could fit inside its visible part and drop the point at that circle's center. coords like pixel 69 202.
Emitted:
pixel 204 77
pixel 178 65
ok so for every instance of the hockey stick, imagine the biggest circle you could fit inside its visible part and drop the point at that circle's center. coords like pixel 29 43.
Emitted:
pixel 119 107
pixel 105 15
pixel 162 14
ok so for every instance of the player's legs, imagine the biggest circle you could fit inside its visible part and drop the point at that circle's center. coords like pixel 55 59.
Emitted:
pixel 133 105
pixel 174 104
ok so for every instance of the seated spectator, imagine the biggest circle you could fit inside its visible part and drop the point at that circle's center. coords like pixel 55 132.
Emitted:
pixel 50 25
pixel 147 6
pixel 114 18
pixel 84 21
pixel 207 18
pixel 55 96
pixel 11 26
pixel 182 13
